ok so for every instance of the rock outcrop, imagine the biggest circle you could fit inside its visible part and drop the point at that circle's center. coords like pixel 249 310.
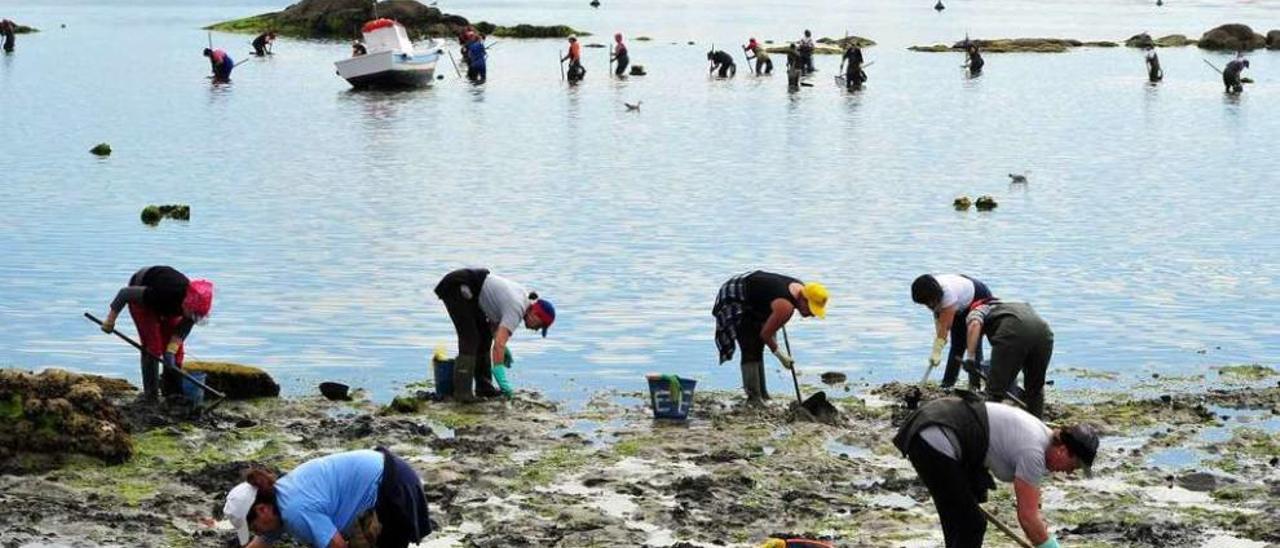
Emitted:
pixel 238 382
pixel 342 19
pixel 1232 37
pixel 1145 40
pixel 57 413
pixel 529 31
pixel 1273 39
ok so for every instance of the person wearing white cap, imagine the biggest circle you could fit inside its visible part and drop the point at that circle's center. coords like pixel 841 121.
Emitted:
pixel 356 498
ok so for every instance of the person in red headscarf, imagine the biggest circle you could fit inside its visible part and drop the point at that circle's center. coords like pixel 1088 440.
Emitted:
pixel 165 305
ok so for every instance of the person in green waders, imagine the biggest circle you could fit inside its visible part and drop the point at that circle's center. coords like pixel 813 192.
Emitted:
pixel 750 309
pixel 486 309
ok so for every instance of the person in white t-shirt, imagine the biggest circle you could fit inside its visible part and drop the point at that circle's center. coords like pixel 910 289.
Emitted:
pixel 949 297
pixel 486 309
pixel 956 444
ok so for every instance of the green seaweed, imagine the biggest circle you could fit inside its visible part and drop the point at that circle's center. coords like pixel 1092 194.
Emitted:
pixel 1249 372
pixel 551 464
pixel 101 149
pixel 12 407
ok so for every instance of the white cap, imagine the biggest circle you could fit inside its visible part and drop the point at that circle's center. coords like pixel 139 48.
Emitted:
pixel 239 502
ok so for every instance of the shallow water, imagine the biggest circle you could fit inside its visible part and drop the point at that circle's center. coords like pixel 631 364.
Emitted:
pixel 325 216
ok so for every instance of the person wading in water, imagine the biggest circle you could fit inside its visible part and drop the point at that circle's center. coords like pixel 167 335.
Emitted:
pixel 851 63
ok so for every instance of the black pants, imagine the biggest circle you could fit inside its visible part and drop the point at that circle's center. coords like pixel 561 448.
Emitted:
pixel 959 340
pixel 806 60
pixel 765 64
pixel 623 62
pixel 750 345
pixel 1233 83
pixel 854 77
pixel 8 42
pixel 576 71
pixel 1021 345
pixel 460 291
pixel 727 70
pixel 401 505
pixel 259 50
pixel 477 74
pixel 949 484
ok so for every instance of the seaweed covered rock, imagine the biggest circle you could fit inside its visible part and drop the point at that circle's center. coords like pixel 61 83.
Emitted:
pixel 153 214
pixel 638 70
pixel 1273 39
pixel 23 29
pixel 985 203
pixel 962 203
pixel 529 31
pixel 342 19
pixel 1013 45
pixel 101 149
pixel 1232 37
pixel 1143 41
pixel 844 43
pixel 1174 41
pixel 238 382
pixel 58 413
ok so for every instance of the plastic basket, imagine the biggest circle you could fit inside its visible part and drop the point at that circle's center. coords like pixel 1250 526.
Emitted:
pixel 442 370
pixel 664 405
pixel 191 390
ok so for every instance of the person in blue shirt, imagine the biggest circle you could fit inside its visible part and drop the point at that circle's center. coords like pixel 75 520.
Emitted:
pixel 476 57
pixel 369 497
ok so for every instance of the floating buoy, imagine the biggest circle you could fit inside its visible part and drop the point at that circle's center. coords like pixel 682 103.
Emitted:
pixel 101 149
pixel 939 7
pixel 985 203
pixel 962 203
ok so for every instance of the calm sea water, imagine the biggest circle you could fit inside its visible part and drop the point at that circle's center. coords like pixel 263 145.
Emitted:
pixel 1148 231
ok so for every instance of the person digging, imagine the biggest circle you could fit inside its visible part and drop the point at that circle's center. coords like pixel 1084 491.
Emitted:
pixel 750 309
pixel 956 444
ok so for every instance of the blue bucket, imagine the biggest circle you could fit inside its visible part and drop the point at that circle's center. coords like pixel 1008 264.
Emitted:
pixel 443 372
pixel 191 390
pixel 664 404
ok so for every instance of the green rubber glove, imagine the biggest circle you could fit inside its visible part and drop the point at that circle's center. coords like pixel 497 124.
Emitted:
pixel 507 360
pixel 500 375
pixel 1051 543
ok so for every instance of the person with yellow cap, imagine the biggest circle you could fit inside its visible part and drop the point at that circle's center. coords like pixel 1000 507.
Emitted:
pixel 750 309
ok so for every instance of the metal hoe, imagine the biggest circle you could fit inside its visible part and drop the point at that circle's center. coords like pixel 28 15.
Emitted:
pixel 1008 531
pixel 184 374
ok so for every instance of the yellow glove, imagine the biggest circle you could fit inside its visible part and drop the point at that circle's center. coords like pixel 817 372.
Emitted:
pixel 173 347
pixel 936 357
pixel 108 326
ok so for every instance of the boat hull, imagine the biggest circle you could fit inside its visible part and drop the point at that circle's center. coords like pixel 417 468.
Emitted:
pixel 389 69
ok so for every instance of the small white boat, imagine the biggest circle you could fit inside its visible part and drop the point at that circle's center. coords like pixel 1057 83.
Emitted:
pixel 390 60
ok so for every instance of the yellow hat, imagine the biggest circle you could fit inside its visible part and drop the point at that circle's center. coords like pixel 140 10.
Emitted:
pixel 816 294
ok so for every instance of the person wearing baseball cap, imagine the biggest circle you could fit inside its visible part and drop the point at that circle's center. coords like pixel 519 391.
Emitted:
pixel 956 444
pixel 750 309
pixel 165 305
pixel 486 309
pixel 359 498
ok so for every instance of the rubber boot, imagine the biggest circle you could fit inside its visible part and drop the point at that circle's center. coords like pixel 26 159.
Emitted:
pixel 464 379
pixel 764 391
pixel 150 380
pixel 751 382
pixel 170 383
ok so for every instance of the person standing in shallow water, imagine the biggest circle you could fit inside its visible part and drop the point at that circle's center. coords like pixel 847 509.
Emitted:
pixel 620 56
pixel 1154 72
pixel 8 30
pixel 722 61
pixel 851 63
pixel 949 297
pixel 806 52
pixel 165 305
pixel 262 44
pixel 764 65
pixel 576 71
pixel 957 444
pixel 486 309
pixel 477 61
pixel 794 68
pixel 750 309
pixel 220 63
pixel 1231 75
pixel 975 62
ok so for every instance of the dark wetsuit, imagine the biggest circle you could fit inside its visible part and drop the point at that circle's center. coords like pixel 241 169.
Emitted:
pixel 794 69
pixel 622 59
pixel 260 44
pixel 1154 72
pixel 724 62
pixel 1231 76
pixel 975 61
pixel 7 30
pixel 853 75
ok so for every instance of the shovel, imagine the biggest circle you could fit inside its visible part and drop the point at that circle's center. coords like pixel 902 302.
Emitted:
pixel 817 405
pixel 221 397
pixel 1008 531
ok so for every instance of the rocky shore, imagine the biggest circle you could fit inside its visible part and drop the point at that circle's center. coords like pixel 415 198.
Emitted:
pixel 1184 467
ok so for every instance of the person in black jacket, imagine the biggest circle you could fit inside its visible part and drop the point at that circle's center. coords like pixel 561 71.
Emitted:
pixel 851 63
pixel 722 61
pixel 165 305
